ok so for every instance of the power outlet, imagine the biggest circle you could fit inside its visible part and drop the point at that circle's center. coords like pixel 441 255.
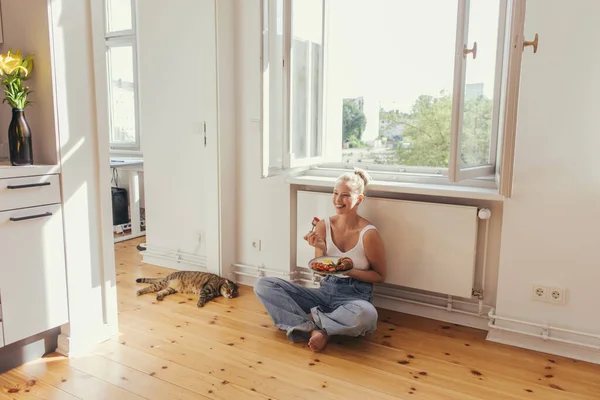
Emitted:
pixel 548 294
pixel 556 295
pixel 256 244
pixel 539 292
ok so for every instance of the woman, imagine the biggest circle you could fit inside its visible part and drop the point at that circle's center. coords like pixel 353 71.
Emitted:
pixel 342 305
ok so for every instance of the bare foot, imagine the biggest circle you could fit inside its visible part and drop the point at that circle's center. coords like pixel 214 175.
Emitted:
pixel 318 340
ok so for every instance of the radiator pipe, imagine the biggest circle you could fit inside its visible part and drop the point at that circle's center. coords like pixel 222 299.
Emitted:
pixel 261 269
pixel 426 304
pixel 429 296
pixel 246 274
pixel 449 300
pixel 484 214
pixel 493 317
pixel 544 335
pixel 176 255
pixel 177 259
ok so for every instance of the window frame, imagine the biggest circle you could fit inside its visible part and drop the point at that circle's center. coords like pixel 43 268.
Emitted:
pixel 505 100
pixel 121 38
pixel 289 159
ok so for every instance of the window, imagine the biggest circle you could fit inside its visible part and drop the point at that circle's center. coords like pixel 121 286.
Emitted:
pixel 120 40
pixel 390 86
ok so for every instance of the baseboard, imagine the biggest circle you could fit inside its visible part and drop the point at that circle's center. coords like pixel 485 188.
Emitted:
pixel 26 350
pixel 85 342
pixel 548 347
pixel 63 345
pixel 179 265
pixel 432 313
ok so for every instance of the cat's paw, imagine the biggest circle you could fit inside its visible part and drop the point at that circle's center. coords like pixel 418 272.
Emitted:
pixel 160 298
pixel 201 303
pixel 138 293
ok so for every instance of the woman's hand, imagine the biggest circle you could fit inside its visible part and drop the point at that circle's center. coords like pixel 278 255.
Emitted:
pixel 316 241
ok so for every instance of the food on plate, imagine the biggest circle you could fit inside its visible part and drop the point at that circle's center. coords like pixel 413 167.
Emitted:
pixel 326 265
pixel 345 264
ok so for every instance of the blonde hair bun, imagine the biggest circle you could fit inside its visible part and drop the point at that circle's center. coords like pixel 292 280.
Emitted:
pixel 363 175
pixel 357 180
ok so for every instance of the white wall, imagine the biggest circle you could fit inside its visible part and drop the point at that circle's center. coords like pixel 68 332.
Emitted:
pixel 85 171
pixel 16 20
pixel 550 232
pixel 262 205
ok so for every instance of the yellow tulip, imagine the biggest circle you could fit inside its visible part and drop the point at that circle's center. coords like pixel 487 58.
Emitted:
pixel 13 62
pixel 14 70
pixel 28 64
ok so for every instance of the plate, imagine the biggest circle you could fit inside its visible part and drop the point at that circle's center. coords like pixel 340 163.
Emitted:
pixel 328 260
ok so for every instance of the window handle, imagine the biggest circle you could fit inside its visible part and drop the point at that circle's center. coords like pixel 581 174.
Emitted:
pixel 473 50
pixel 534 43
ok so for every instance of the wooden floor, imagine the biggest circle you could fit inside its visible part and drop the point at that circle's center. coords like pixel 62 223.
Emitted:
pixel 230 350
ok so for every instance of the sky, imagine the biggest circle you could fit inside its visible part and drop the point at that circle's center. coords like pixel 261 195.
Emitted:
pixel 396 50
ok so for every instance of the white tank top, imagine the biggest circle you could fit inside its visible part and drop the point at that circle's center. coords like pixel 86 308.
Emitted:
pixel 357 253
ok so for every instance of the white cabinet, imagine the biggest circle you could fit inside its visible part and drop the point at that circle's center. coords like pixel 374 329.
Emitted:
pixel 33 287
pixel 29 191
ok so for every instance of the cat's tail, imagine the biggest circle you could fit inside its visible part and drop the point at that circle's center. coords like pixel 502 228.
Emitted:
pixel 148 280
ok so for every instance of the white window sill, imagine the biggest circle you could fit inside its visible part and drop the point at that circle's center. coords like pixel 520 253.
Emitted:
pixel 462 192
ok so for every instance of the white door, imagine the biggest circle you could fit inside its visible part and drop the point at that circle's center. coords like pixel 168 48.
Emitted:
pixel 178 120
pixel 33 284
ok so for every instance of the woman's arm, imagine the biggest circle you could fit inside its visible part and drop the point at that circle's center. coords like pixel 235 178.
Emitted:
pixel 317 239
pixel 375 252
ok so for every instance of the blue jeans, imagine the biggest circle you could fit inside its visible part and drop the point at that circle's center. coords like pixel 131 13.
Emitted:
pixel 341 306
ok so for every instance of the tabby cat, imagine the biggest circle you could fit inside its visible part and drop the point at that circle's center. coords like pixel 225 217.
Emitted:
pixel 205 284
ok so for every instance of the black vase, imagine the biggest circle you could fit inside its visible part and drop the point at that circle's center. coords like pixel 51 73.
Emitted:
pixel 19 139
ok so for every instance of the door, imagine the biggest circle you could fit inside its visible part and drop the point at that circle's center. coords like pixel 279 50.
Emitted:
pixel 33 282
pixel 178 117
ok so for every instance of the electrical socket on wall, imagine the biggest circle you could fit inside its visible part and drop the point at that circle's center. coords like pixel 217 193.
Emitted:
pixel 556 295
pixel 539 292
pixel 548 294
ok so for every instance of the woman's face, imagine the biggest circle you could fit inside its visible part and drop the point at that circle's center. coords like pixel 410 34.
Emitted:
pixel 344 200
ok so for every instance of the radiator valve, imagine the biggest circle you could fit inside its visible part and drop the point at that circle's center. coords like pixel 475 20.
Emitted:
pixel 485 213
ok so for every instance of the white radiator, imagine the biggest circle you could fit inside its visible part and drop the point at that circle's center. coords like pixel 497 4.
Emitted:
pixel 428 246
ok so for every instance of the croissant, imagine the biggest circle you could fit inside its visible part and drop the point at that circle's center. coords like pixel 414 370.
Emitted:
pixel 344 264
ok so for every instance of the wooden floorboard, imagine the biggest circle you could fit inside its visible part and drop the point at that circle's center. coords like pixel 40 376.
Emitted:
pixel 230 350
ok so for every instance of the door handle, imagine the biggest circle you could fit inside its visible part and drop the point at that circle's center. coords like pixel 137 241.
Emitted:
pixel 17 219
pixel 28 185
